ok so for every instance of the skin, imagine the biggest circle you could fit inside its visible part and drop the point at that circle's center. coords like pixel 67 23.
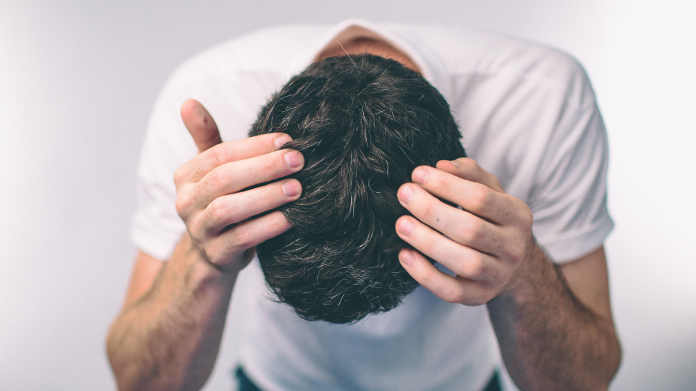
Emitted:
pixel 168 332
pixel 554 324
pixel 366 45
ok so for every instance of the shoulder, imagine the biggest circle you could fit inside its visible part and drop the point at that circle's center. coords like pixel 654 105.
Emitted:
pixel 473 53
pixel 514 101
pixel 235 78
pixel 268 51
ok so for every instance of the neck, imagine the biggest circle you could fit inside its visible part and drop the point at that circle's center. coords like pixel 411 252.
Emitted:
pixel 367 46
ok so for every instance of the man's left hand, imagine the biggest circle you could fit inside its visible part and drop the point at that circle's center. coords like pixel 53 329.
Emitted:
pixel 553 324
pixel 486 243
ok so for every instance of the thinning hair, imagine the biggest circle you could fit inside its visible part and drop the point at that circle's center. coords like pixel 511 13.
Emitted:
pixel 363 123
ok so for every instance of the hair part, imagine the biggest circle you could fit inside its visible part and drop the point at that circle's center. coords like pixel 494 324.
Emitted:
pixel 363 123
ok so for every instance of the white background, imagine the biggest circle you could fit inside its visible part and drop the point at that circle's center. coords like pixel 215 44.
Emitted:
pixel 77 80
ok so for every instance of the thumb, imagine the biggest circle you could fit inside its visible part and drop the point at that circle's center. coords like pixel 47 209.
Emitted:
pixel 200 124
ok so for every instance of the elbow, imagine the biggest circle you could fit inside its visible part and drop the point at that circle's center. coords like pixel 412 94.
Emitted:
pixel 615 358
pixel 132 365
pixel 611 364
pixel 112 353
pixel 124 369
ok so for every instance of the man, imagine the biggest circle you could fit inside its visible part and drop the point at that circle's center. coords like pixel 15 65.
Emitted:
pixel 528 115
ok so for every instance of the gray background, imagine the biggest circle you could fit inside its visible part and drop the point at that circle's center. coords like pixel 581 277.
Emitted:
pixel 77 80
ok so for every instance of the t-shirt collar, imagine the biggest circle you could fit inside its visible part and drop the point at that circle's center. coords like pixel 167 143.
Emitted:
pixel 430 65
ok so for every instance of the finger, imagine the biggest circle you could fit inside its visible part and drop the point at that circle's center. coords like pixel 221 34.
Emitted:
pixel 467 168
pixel 461 260
pixel 235 176
pixel 452 289
pixel 474 197
pixel 459 225
pixel 231 151
pixel 226 248
pixel 234 208
pixel 200 125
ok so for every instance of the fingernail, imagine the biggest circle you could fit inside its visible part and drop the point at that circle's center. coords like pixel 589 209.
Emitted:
pixel 456 164
pixel 420 175
pixel 407 257
pixel 281 140
pixel 405 194
pixel 293 159
pixel 406 226
pixel 291 188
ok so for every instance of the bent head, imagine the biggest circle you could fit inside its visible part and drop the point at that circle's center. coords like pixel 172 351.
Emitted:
pixel 363 123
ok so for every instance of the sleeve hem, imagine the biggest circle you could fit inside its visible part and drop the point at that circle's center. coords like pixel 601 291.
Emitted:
pixel 569 246
pixel 156 243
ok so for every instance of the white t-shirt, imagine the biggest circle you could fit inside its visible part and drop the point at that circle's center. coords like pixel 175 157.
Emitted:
pixel 527 114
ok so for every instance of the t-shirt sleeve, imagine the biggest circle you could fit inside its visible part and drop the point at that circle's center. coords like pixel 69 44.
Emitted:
pixel 156 227
pixel 569 197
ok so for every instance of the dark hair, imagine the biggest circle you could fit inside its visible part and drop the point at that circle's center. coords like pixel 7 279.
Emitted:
pixel 363 123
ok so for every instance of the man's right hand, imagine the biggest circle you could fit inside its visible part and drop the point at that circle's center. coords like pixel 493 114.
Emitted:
pixel 168 332
pixel 216 194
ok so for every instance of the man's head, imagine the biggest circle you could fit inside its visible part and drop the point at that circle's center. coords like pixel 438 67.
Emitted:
pixel 363 123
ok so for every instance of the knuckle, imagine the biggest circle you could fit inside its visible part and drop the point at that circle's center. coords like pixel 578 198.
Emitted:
pixel 220 155
pixel 527 216
pixel 441 184
pixel 468 163
pixel 182 204
pixel 194 228
pixel 496 276
pixel 212 253
pixel 260 200
pixel 216 212
pixel 426 209
pixel 515 250
pixel 516 254
pixel 216 176
pixel 270 194
pixel 180 175
pixel 272 162
pixel 479 197
pixel 241 239
pixel 497 184
pixel 491 292
pixel 196 195
pixel 208 185
pixel 477 297
pixel 474 301
pixel 474 268
pixel 455 295
pixel 224 208
pixel 260 143
pixel 471 230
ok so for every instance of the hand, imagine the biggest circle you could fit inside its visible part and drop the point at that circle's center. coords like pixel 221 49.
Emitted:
pixel 486 243
pixel 213 196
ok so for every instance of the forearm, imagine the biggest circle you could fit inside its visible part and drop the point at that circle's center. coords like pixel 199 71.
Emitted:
pixel 169 338
pixel 548 339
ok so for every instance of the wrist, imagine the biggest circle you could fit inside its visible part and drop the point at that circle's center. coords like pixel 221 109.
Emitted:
pixel 535 274
pixel 197 268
